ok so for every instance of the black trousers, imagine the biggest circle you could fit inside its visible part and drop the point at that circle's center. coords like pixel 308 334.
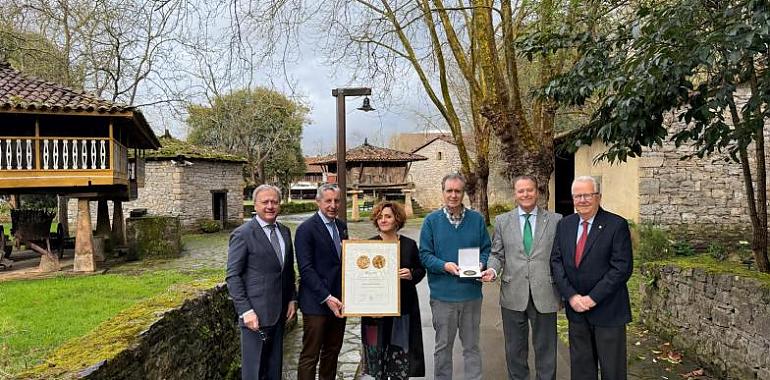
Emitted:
pixel 262 352
pixel 596 348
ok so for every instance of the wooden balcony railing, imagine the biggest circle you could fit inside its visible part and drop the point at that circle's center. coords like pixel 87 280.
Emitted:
pixel 31 161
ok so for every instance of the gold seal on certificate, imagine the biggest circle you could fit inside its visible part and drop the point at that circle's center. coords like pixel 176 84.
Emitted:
pixel 370 283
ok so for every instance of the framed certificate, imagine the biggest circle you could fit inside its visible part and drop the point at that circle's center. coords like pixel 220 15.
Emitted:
pixel 370 283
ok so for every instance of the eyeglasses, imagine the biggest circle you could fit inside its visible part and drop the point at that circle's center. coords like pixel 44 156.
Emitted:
pixel 587 196
pixel 262 335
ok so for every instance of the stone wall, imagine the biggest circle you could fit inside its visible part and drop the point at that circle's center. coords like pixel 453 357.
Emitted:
pixel 199 340
pixel 723 320
pixel 697 199
pixel 184 192
pixel 426 176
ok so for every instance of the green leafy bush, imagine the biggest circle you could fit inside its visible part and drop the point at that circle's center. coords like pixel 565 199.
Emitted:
pixel 298 207
pixel 209 226
pixel 499 208
pixel 653 243
pixel 744 250
pixel 682 248
pixel 717 251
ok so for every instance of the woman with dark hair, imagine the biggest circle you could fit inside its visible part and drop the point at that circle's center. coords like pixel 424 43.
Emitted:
pixel 393 345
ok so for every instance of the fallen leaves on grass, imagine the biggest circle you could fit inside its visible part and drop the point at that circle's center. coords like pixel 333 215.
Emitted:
pixel 694 374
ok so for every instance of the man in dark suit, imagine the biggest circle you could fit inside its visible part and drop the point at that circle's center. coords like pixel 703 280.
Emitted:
pixel 260 279
pixel 591 262
pixel 319 246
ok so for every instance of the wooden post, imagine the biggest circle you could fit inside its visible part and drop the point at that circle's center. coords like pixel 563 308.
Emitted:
pixel 408 202
pixel 102 218
pixel 118 224
pixel 355 216
pixel 63 201
pixel 84 239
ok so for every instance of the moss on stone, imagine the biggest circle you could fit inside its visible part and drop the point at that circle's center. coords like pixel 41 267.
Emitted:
pixel 154 236
pixel 172 148
pixel 114 335
pixel 709 265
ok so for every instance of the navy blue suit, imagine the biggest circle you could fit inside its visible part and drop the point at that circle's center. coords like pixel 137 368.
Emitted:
pixel 256 280
pixel 320 276
pixel 606 265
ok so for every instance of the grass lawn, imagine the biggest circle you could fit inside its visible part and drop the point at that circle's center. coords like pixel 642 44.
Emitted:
pixel 37 316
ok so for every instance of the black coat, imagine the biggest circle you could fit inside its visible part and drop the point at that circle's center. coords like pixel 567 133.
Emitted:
pixel 410 304
pixel 605 267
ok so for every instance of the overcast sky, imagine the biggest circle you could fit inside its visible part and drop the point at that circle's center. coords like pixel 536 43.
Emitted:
pixel 396 112
pixel 404 108
pixel 307 76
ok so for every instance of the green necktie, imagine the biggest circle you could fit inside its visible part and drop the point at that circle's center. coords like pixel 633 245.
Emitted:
pixel 527 235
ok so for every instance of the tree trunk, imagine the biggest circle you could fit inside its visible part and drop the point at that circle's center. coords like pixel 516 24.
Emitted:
pixel 759 240
pixel 482 198
pixel 757 211
pixel 476 186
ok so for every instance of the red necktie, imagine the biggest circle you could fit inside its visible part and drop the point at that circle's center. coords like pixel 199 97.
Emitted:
pixel 581 244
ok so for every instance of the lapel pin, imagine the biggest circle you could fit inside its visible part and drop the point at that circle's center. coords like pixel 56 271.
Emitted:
pixel 600 226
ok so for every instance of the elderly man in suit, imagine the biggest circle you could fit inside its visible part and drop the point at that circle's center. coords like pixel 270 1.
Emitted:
pixel 521 256
pixel 591 262
pixel 319 246
pixel 260 279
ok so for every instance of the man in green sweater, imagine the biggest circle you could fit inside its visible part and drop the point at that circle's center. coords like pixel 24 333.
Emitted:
pixel 455 301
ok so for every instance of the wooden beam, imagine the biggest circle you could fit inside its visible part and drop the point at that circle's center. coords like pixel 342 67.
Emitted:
pixel 112 148
pixel 102 218
pixel 118 224
pixel 123 114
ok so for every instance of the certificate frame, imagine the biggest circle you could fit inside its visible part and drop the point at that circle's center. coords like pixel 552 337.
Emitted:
pixel 370 283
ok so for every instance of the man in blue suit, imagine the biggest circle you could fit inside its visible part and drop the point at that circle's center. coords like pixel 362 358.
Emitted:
pixel 319 247
pixel 591 262
pixel 260 279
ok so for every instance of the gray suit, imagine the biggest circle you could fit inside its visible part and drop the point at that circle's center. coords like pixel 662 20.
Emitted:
pixel 527 292
pixel 257 280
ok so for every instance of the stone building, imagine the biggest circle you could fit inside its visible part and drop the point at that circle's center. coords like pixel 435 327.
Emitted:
pixel 190 182
pixel 443 158
pixel 696 199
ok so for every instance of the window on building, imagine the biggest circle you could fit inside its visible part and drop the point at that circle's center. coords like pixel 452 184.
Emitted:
pixel 438 156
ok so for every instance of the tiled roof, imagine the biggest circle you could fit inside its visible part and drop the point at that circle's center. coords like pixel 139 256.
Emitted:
pixel 367 152
pixel 311 167
pixel 20 92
